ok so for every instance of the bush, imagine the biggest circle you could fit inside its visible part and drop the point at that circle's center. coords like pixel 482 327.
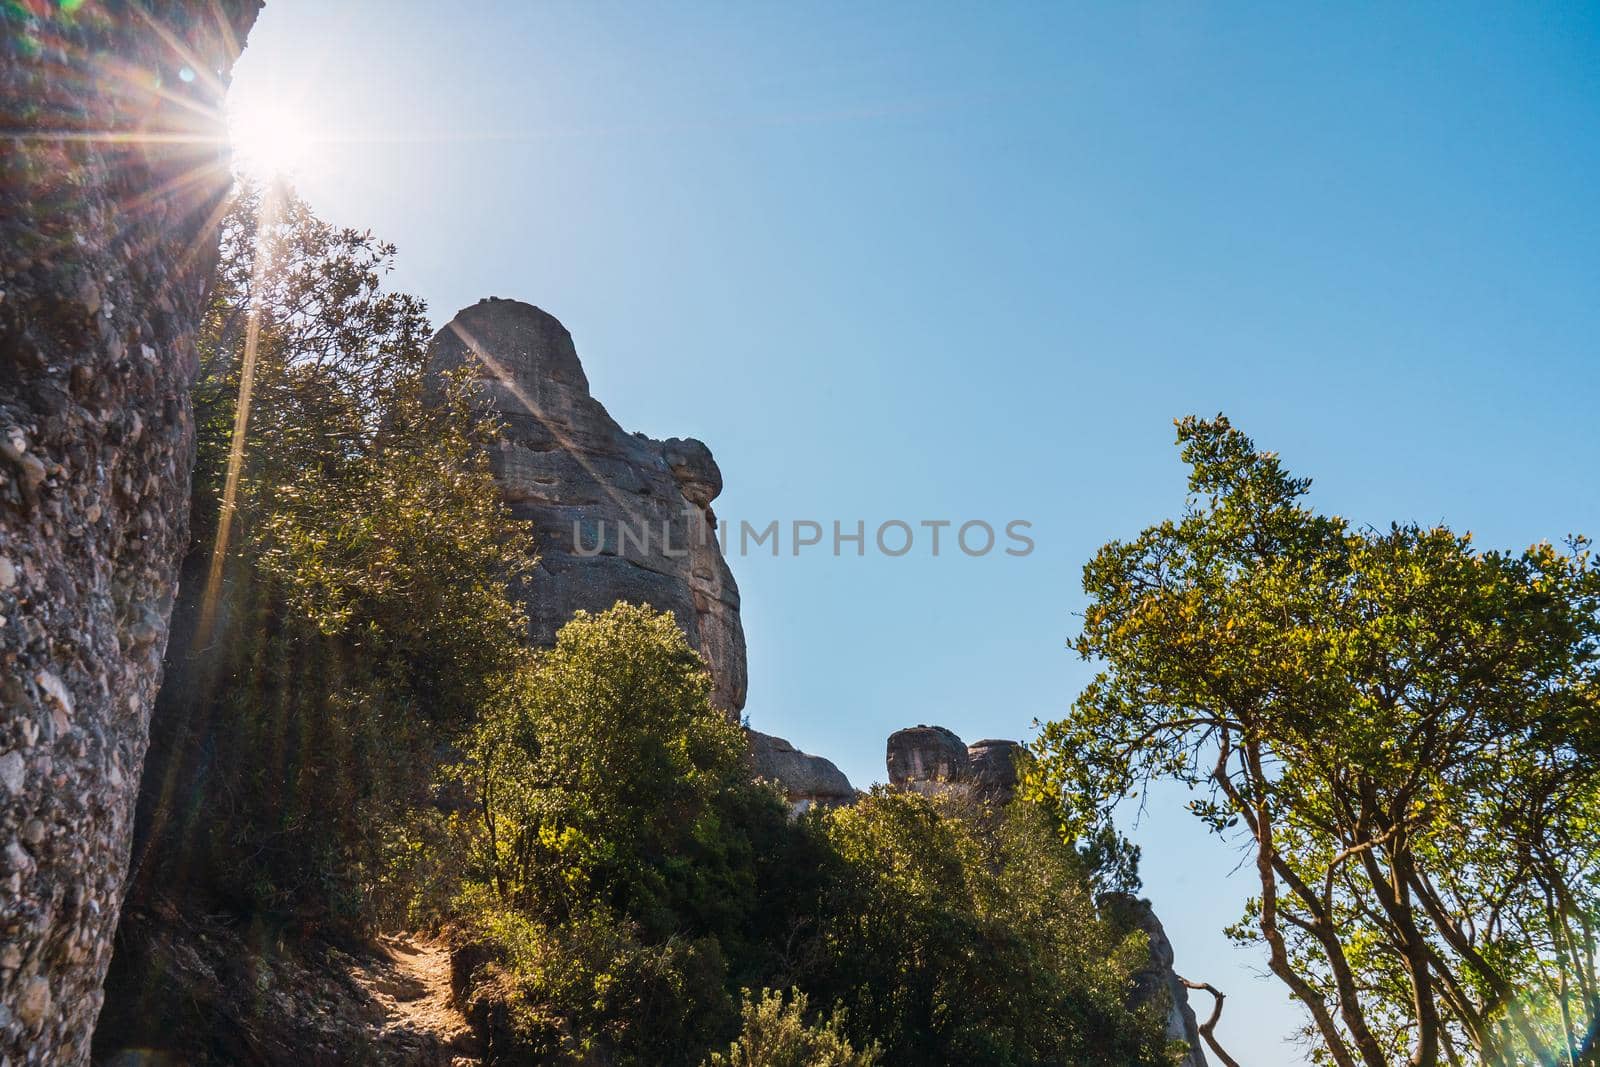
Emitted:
pixel 775 1034
pixel 587 990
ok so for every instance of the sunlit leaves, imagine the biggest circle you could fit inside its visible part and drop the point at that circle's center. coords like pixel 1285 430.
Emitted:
pixel 1401 725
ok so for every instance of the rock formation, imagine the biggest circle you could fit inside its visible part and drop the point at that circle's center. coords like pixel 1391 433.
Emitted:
pixel 932 759
pixel 614 516
pixel 992 767
pixel 807 781
pixel 1157 983
pixel 111 179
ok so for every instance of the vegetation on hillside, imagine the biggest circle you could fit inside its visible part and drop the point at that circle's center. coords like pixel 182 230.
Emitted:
pixel 628 881
pixel 358 616
pixel 353 736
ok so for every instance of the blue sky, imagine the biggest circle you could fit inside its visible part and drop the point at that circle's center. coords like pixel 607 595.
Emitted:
pixel 968 262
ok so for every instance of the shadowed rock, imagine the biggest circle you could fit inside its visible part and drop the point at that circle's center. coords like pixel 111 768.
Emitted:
pixel 112 180
pixel 1157 984
pixel 992 767
pixel 925 758
pixel 932 759
pixel 806 780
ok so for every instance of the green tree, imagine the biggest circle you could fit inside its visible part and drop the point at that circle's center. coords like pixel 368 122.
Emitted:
pixel 597 774
pixel 358 615
pixel 1401 727
pixel 958 937
pixel 610 856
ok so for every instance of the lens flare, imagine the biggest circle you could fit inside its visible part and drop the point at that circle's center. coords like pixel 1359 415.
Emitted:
pixel 268 140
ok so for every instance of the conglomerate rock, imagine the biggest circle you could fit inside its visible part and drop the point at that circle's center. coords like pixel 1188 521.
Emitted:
pixel 112 175
pixel 925 758
pixel 614 516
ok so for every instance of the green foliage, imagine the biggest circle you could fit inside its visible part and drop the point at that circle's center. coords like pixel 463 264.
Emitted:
pixel 952 939
pixel 363 615
pixel 588 990
pixel 598 770
pixel 775 1034
pixel 1402 727
pixel 603 860
pixel 615 798
pixel 353 733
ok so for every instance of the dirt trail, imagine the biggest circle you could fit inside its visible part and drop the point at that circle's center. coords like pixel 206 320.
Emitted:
pixel 413 988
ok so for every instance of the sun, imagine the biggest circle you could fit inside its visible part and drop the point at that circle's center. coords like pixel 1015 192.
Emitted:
pixel 268 140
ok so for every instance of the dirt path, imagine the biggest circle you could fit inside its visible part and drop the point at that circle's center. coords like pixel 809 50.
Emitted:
pixel 413 987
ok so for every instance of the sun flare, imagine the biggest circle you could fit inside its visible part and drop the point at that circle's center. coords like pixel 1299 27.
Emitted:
pixel 268 140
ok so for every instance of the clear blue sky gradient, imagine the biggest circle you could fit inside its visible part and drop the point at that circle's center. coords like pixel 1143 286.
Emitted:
pixel 968 262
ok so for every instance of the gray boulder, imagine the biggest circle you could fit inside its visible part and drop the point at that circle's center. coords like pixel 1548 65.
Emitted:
pixel 992 767
pixel 926 758
pixel 932 759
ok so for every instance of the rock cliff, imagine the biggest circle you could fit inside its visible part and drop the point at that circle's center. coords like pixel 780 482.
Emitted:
pixel 112 173
pixel 1157 983
pixel 614 516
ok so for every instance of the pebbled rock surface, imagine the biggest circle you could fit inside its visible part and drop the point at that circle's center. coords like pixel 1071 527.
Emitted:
pixel 614 516
pixel 807 781
pixel 106 250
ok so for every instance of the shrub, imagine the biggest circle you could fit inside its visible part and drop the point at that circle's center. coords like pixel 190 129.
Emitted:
pixel 775 1034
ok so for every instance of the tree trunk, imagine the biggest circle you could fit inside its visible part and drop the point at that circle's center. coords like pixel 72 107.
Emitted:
pixel 113 172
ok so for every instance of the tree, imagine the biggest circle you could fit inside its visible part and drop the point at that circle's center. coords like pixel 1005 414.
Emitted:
pixel 953 936
pixel 358 616
pixel 1402 730
pixel 605 872
pixel 597 771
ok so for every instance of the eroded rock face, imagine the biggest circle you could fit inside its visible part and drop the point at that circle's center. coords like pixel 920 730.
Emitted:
pixel 925 758
pixel 106 251
pixel 932 759
pixel 992 767
pixel 1157 983
pixel 614 516
pixel 807 781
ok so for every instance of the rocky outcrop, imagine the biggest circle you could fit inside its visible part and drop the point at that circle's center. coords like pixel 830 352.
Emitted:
pixel 925 758
pixel 1157 984
pixel 614 516
pixel 992 767
pixel 112 171
pixel 807 781
pixel 932 759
